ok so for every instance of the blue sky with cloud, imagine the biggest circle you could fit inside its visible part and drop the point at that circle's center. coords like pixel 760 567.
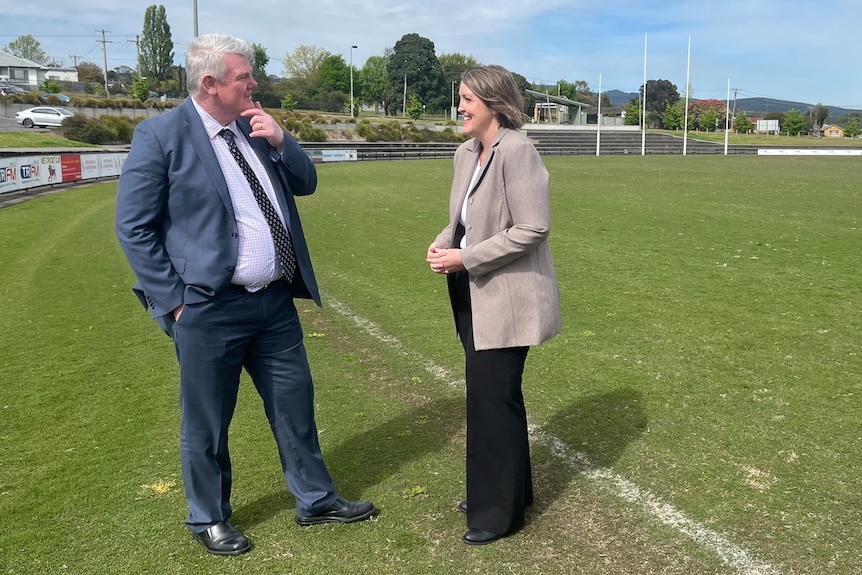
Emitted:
pixel 785 49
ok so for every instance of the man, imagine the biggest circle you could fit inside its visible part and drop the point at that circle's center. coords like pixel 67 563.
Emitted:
pixel 207 219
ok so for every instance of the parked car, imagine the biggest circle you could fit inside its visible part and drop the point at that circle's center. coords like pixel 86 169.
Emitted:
pixel 42 116
pixel 62 97
pixel 10 88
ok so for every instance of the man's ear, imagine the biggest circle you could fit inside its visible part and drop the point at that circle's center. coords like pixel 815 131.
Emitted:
pixel 208 83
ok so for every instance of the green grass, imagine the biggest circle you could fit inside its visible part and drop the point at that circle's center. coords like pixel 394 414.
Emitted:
pixel 38 140
pixel 710 355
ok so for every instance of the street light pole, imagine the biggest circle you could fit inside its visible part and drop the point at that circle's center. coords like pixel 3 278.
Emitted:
pixel 351 81
pixel 195 9
pixel 452 113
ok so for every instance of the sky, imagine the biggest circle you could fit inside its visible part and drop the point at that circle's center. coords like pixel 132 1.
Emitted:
pixel 794 50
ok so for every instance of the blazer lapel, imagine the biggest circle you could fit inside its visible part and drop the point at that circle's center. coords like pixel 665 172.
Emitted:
pixel 489 157
pixel 204 152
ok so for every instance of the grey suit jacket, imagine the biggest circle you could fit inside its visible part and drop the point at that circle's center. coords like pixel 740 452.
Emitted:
pixel 175 220
pixel 513 284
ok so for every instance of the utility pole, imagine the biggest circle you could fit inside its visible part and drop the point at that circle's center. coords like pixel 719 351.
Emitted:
pixel 733 116
pixel 105 59
pixel 137 43
pixel 74 58
pixel 352 115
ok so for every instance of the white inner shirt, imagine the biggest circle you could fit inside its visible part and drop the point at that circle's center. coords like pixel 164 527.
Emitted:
pixel 256 264
pixel 463 218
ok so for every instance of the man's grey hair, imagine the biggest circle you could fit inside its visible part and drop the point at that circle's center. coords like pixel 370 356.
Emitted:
pixel 205 57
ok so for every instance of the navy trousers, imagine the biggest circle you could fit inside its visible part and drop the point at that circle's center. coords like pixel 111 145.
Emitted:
pixel 499 474
pixel 214 341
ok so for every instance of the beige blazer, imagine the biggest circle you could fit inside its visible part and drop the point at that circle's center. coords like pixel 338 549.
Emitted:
pixel 513 285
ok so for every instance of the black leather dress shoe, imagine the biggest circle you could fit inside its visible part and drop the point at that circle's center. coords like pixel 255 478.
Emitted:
pixel 223 539
pixel 342 511
pixel 479 537
pixel 462 507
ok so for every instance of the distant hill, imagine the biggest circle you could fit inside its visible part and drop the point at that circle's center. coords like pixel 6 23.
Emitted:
pixel 763 106
pixel 620 98
pixel 751 106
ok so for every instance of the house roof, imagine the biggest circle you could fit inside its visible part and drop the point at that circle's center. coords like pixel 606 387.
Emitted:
pixel 562 100
pixel 7 60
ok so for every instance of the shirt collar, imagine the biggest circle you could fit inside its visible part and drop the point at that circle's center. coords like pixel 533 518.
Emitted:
pixel 212 126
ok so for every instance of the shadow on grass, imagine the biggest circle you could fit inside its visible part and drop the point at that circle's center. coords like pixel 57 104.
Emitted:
pixel 370 457
pixel 599 427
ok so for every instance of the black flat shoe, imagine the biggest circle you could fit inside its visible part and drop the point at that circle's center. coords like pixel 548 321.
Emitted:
pixel 223 539
pixel 342 511
pixel 479 537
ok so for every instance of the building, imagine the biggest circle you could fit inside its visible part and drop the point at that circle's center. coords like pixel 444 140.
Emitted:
pixel 832 131
pixel 557 109
pixel 20 72
pixel 61 74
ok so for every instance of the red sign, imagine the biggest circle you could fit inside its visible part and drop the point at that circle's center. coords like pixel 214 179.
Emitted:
pixel 71 166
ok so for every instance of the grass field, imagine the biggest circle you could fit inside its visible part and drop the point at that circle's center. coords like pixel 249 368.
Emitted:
pixel 699 413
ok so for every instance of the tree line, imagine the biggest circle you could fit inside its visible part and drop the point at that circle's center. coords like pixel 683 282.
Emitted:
pixel 665 109
pixel 407 79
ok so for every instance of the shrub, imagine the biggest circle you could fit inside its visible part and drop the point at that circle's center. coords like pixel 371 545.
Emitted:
pixel 390 131
pixel 367 131
pixel 83 129
pixel 308 133
pixel 414 134
pixel 117 129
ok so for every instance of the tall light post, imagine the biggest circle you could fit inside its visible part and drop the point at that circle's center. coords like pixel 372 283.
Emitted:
pixel 452 111
pixel 351 81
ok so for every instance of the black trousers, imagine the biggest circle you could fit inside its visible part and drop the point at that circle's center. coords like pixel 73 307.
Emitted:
pixel 499 476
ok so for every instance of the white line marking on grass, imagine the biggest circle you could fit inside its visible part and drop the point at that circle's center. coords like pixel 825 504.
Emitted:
pixel 730 554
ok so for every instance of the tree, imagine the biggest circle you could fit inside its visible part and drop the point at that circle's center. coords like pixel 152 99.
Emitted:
pixel 29 48
pixel 632 111
pixel 89 72
pixel 708 120
pixel 414 61
pixel 454 65
pixel 140 88
pixel 523 86
pixel 659 94
pixel 707 113
pixel 157 47
pixel 334 74
pixel 304 63
pixel 122 75
pixel 261 59
pixel 742 124
pixel 579 91
pixel 851 130
pixel 820 115
pixel 373 81
pixel 415 107
pixel 794 123
pixel 264 92
pixel 51 86
pixel 288 102
pixel 673 117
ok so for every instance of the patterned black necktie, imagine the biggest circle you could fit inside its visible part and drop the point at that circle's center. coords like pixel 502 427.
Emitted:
pixel 280 235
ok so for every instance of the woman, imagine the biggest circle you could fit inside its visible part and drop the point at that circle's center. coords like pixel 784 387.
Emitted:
pixel 503 290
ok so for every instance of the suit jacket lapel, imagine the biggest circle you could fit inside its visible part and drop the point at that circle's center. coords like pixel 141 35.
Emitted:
pixel 204 152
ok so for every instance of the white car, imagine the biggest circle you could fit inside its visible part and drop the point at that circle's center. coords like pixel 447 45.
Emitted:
pixel 42 116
